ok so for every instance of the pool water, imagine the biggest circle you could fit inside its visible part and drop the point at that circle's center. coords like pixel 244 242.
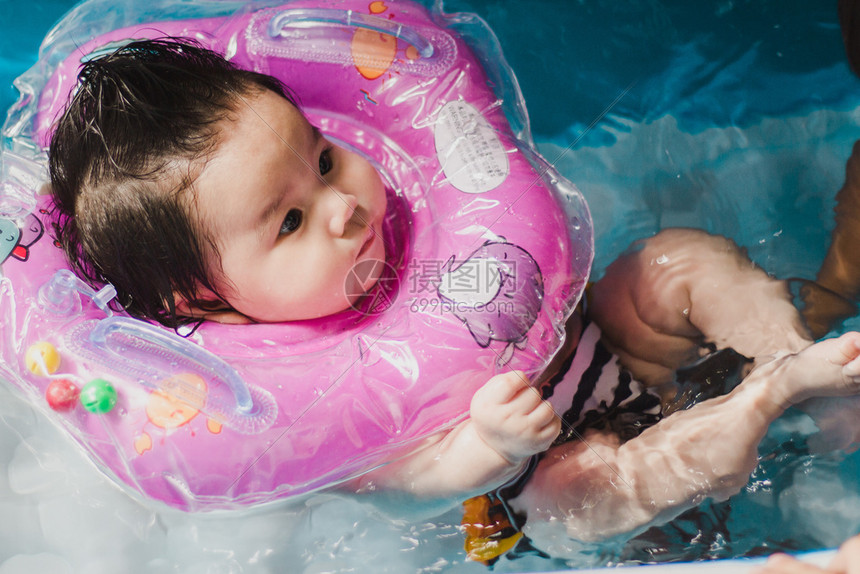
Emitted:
pixel 728 115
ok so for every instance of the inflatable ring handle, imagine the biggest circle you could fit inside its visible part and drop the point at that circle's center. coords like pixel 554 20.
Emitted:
pixel 60 294
pixel 304 17
pixel 172 345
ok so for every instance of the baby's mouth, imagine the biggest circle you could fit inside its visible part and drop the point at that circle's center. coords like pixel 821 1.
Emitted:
pixel 369 238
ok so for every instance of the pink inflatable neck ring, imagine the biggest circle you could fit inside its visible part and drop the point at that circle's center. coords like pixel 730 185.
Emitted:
pixel 494 251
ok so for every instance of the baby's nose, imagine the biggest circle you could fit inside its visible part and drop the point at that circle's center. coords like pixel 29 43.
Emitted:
pixel 342 211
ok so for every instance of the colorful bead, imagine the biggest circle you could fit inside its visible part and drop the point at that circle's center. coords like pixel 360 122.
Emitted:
pixel 98 396
pixel 42 358
pixel 62 394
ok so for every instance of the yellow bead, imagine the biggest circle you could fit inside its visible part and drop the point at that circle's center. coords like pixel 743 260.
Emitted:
pixel 42 358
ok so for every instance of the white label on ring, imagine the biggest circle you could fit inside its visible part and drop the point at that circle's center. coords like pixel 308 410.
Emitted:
pixel 470 152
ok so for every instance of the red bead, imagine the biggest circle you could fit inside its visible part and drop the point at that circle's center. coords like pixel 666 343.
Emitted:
pixel 62 394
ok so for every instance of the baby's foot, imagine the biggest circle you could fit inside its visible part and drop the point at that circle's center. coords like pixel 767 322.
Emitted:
pixel 828 368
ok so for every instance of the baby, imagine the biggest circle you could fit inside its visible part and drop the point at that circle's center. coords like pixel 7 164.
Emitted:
pixel 201 192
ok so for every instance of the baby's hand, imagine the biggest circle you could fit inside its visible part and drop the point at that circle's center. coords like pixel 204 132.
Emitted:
pixel 511 417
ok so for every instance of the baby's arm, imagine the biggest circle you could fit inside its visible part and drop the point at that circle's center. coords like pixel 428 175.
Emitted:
pixel 598 487
pixel 508 423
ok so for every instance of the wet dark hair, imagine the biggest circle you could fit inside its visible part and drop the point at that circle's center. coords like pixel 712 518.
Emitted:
pixel 139 124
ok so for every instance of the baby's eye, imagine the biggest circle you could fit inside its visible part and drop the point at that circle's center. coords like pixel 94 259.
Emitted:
pixel 325 162
pixel 291 222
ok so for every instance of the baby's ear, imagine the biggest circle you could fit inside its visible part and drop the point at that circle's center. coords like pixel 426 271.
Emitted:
pixel 207 306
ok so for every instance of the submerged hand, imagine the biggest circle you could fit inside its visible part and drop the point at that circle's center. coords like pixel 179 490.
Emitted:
pixel 510 416
pixel 847 561
pixel 823 309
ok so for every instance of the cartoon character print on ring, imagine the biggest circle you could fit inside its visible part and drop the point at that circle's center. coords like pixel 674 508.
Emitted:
pixel 487 253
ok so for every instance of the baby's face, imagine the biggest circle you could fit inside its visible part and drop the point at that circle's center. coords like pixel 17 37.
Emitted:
pixel 291 214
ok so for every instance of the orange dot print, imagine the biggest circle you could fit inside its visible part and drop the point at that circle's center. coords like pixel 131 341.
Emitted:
pixel 373 52
pixel 177 401
pixel 143 443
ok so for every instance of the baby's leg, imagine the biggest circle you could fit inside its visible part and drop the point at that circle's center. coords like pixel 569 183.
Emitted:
pixel 659 302
pixel 596 488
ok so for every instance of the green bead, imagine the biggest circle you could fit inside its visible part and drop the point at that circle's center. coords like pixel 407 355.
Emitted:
pixel 98 396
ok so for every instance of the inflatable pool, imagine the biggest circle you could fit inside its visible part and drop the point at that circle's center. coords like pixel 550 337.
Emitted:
pixel 667 113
